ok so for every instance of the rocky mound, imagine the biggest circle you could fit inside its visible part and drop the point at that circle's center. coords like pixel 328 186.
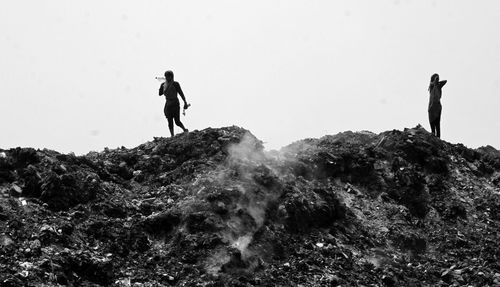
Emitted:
pixel 212 208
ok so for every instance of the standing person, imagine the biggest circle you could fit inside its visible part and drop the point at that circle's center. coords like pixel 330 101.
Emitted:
pixel 435 104
pixel 170 89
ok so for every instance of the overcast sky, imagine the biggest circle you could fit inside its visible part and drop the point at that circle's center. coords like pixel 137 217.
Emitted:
pixel 79 75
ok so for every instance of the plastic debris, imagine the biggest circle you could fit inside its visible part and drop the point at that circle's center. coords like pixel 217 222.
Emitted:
pixel 213 208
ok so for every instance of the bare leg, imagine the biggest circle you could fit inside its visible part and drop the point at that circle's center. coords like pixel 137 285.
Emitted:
pixel 433 128
pixel 438 127
pixel 171 126
pixel 179 123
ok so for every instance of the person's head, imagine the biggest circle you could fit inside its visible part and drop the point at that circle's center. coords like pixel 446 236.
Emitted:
pixel 434 77
pixel 169 76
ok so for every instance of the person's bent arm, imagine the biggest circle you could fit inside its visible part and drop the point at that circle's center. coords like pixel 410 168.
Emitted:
pixel 179 90
pixel 435 81
pixel 442 83
pixel 160 92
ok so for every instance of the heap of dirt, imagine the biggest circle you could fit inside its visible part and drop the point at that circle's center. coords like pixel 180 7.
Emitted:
pixel 213 208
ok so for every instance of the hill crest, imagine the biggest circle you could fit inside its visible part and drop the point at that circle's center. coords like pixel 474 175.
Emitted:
pixel 212 207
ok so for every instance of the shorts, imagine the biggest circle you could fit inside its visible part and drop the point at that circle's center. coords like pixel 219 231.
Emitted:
pixel 172 110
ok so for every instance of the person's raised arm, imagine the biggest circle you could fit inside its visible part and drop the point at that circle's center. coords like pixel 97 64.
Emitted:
pixel 179 90
pixel 442 83
pixel 435 81
pixel 160 92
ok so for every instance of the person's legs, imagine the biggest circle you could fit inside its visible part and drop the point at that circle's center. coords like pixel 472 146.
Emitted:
pixel 438 127
pixel 171 125
pixel 433 127
pixel 167 110
pixel 179 123
pixel 177 119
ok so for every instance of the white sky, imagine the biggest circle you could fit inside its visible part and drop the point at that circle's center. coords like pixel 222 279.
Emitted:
pixel 79 75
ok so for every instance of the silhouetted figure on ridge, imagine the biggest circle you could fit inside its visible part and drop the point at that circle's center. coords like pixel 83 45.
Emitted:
pixel 170 89
pixel 435 104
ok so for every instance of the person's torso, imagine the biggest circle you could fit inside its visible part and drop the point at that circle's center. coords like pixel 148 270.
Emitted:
pixel 435 97
pixel 170 92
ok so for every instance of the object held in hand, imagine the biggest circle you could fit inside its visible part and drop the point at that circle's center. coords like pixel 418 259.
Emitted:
pixel 186 106
pixel 161 79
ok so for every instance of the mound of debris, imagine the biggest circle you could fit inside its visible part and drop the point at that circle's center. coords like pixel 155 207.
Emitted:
pixel 213 208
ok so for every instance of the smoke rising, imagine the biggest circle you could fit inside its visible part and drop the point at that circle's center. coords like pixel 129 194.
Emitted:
pixel 248 164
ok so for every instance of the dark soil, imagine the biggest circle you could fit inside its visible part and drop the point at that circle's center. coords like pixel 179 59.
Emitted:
pixel 212 208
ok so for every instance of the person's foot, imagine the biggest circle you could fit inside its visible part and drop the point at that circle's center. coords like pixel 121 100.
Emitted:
pixel 186 130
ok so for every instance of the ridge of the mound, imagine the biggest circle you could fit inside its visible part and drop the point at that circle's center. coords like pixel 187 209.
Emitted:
pixel 213 208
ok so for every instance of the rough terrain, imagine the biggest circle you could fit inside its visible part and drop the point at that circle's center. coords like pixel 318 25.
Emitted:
pixel 212 208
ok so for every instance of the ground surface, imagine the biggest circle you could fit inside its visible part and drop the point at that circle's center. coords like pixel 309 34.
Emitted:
pixel 211 208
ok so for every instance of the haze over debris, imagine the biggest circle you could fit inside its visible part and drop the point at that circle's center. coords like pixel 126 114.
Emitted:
pixel 212 208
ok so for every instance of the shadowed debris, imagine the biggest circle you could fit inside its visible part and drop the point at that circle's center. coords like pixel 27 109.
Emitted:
pixel 213 208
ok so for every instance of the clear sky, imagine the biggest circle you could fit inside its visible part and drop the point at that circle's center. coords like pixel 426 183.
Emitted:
pixel 79 75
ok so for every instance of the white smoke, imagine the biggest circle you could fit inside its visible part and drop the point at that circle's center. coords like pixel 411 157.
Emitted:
pixel 242 245
pixel 244 159
pixel 247 160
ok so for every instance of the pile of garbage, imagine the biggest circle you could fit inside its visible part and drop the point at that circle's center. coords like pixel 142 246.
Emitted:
pixel 213 208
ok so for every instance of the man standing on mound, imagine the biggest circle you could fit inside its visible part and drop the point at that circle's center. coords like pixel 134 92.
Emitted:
pixel 170 89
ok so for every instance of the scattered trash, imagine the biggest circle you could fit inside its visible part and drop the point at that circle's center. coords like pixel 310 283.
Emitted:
pixel 26 265
pixel 5 240
pixel 447 271
pixel 16 190
pixel 213 208
pixel 124 282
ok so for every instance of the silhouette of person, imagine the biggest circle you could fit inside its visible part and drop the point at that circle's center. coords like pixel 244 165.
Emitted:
pixel 170 89
pixel 434 109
